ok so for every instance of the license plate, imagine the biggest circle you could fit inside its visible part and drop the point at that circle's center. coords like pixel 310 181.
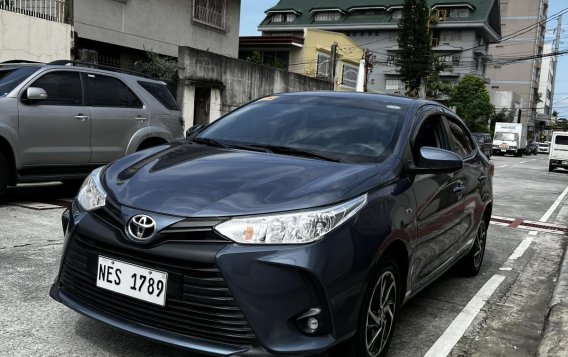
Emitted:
pixel 132 280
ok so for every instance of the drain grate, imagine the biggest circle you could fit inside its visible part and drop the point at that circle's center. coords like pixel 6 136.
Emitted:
pixel 529 225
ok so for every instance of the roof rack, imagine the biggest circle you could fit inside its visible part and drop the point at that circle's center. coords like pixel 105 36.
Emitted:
pixel 97 66
pixel 17 61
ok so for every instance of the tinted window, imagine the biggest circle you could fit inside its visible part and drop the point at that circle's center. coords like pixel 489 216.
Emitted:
pixel 561 140
pixel 430 134
pixel 354 130
pixel 63 88
pixel 105 91
pixel 10 78
pixel 459 138
pixel 161 93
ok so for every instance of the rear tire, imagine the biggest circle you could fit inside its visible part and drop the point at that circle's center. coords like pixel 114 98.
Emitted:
pixel 379 312
pixel 4 175
pixel 471 263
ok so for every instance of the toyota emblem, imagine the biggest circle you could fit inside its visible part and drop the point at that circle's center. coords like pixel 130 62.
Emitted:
pixel 141 227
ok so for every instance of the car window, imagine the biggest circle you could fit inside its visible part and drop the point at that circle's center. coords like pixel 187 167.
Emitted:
pixel 460 140
pixel 106 91
pixel 561 140
pixel 429 134
pixel 10 78
pixel 351 129
pixel 62 88
pixel 161 93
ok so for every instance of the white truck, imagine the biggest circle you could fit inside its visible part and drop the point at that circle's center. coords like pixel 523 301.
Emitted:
pixel 510 138
pixel 558 151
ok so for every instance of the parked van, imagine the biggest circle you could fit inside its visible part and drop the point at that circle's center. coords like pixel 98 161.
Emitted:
pixel 558 151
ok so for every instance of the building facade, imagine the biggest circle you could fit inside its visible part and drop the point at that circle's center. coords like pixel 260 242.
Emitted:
pixel 461 32
pixel 520 21
pixel 118 32
pixel 311 55
pixel 544 106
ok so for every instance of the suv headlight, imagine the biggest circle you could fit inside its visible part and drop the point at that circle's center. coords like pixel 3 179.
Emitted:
pixel 91 194
pixel 290 228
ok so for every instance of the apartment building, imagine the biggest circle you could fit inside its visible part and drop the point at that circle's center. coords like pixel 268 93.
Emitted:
pixel 461 32
pixel 519 19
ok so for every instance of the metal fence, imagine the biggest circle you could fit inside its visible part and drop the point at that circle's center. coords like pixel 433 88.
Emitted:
pixel 52 10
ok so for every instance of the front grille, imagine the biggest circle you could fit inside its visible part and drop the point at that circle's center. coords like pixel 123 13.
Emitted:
pixel 198 302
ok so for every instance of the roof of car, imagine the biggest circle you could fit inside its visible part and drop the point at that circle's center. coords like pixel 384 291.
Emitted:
pixel 394 99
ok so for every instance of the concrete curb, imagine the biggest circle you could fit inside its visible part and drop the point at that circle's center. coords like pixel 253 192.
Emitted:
pixel 554 342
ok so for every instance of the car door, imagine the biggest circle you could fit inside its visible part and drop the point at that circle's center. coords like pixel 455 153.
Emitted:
pixel 439 206
pixel 117 114
pixel 55 130
pixel 473 179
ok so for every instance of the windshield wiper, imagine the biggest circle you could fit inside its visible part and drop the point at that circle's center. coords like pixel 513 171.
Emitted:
pixel 298 152
pixel 210 142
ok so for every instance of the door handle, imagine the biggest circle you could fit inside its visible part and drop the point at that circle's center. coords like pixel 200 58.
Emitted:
pixel 458 188
pixel 140 119
pixel 482 178
pixel 81 117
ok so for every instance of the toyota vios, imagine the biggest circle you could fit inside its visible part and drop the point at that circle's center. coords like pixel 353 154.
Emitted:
pixel 293 225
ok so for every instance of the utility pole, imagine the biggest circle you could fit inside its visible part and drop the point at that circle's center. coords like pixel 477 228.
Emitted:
pixel 368 68
pixel 556 49
pixel 333 64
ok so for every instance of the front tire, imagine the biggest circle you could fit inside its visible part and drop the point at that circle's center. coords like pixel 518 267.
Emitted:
pixel 378 314
pixel 471 263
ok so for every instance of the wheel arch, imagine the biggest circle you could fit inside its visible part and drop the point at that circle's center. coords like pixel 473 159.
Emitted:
pixel 8 152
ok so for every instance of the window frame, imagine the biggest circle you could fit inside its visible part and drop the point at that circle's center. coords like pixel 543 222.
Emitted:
pixel 195 16
pixel 450 118
pixel 348 68
pixel 87 94
pixel 33 81
pixel 322 62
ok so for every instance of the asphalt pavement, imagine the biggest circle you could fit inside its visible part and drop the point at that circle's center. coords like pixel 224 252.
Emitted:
pixel 500 312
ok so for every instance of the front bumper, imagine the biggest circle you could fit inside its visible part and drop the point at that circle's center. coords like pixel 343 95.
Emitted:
pixel 265 287
pixel 558 163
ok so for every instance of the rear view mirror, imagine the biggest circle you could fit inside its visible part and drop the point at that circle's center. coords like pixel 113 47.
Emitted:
pixel 435 161
pixel 35 93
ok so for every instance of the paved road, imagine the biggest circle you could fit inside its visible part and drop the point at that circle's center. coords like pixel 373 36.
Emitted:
pixel 498 313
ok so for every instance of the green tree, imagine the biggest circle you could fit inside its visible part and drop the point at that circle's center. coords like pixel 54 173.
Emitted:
pixel 415 49
pixel 435 86
pixel 157 66
pixel 472 102
pixel 502 116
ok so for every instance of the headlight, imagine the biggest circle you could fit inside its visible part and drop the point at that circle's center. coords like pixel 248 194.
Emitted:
pixel 290 228
pixel 91 194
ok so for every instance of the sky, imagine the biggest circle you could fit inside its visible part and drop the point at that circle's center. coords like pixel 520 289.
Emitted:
pixel 252 13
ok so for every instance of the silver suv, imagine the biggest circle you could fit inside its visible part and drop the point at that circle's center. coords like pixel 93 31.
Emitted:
pixel 58 122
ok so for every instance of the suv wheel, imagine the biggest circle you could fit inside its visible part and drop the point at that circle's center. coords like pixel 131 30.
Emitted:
pixel 3 175
pixel 378 315
pixel 471 263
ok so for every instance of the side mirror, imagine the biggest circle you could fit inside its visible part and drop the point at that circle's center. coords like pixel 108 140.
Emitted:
pixel 194 130
pixel 35 93
pixel 435 161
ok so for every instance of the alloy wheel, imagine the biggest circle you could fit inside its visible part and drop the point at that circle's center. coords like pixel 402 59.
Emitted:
pixel 479 244
pixel 381 314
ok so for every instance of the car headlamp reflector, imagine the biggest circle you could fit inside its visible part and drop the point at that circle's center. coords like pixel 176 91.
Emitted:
pixel 91 194
pixel 290 228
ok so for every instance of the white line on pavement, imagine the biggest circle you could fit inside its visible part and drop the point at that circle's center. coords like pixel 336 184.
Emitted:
pixel 457 328
pixel 522 162
pixel 504 166
pixel 521 248
pixel 554 206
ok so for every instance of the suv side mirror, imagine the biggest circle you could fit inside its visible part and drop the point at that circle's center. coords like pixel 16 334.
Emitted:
pixel 35 93
pixel 194 130
pixel 435 161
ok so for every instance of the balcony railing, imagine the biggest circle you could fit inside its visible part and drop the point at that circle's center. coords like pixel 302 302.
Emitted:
pixel 52 10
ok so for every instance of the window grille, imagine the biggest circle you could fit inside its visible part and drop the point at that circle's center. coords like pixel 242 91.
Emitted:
pixel 210 12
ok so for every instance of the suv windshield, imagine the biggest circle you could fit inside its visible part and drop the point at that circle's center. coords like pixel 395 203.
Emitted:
pixel 506 136
pixel 342 129
pixel 10 78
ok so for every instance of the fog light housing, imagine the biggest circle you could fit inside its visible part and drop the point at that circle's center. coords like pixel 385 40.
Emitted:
pixel 313 322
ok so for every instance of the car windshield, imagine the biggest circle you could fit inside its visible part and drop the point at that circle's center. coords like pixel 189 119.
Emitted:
pixel 10 78
pixel 342 129
pixel 506 136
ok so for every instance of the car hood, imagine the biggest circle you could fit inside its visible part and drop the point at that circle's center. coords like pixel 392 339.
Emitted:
pixel 191 180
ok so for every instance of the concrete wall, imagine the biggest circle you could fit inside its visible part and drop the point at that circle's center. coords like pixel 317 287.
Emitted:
pixel 29 38
pixel 233 82
pixel 157 25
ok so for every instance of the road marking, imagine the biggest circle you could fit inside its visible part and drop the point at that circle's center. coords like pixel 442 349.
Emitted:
pixel 536 226
pixel 504 166
pixel 444 345
pixel 457 328
pixel 552 208
pixel 522 162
